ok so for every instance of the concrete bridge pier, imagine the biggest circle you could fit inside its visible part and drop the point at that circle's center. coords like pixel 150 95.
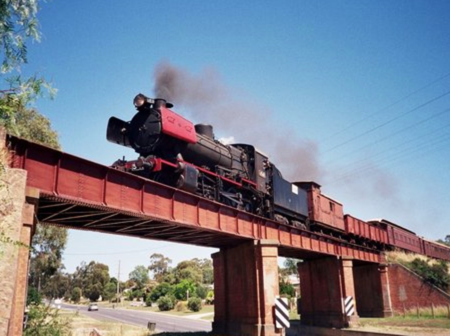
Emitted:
pixel 245 287
pixel 324 283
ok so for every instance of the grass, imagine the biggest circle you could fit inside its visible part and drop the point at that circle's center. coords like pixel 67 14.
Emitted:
pixel 82 325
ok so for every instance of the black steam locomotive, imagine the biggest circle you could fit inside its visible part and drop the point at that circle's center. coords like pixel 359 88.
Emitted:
pixel 175 152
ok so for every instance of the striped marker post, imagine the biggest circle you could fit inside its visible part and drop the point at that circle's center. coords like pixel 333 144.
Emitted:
pixel 281 313
pixel 349 306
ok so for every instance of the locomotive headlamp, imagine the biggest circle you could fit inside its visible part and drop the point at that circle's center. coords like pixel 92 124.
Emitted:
pixel 140 100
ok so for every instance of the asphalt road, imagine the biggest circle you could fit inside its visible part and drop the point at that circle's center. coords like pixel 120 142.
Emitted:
pixel 163 322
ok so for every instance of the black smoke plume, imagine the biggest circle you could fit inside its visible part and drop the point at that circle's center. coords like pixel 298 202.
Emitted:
pixel 208 100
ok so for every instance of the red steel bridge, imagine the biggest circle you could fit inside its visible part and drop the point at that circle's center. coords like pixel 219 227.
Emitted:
pixel 76 193
pixel 80 194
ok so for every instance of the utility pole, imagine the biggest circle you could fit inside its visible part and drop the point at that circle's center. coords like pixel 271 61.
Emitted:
pixel 118 284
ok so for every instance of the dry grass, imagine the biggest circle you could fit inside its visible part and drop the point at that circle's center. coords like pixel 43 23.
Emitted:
pixel 82 325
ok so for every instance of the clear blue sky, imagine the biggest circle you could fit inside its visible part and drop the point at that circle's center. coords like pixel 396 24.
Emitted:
pixel 358 86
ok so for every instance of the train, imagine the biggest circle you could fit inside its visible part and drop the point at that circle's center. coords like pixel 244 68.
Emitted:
pixel 174 151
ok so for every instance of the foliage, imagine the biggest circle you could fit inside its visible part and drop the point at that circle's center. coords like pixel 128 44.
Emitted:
pixel 436 274
pixel 165 303
pixel 140 276
pixel 446 240
pixel 48 245
pixel 42 320
pixel 210 297
pixel 183 289
pixel 19 25
pixel 189 270
pixel 161 290
pixel 56 286
pixel 91 278
pixel 159 265
pixel 76 295
pixel 194 304
pixel 287 289
pixel 109 291
pixel 201 291
pixel 33 296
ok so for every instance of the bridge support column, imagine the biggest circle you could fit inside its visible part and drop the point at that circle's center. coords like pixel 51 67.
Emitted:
pixel 245 287
pixel 17 224
pixel 324 283
pixel 372 290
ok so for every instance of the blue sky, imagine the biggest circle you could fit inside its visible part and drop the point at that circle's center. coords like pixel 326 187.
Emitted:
pixel 352 94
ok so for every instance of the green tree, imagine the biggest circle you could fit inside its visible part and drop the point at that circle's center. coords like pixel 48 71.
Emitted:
pixel 159 266
pixel 109 292
pixel 76 294
pixel 189 270
pixel 48 245
pixel 140 276
pixel 184 289
pixel 57 285
pixel 91 278
pixel 161 290
pixel 19 25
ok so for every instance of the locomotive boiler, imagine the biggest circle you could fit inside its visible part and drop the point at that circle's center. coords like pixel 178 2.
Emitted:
pixel 175 152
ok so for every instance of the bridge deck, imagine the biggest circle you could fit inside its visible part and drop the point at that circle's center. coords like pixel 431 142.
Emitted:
pixel 81 194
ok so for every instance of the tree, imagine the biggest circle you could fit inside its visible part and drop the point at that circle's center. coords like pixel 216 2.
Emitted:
pixel 48 245
pixel 18 26
pixel 446 240
pixel 110 290
pixel 189 270
pixel 159 265
pixel 57 286
pixel 76 294
pixel 91 278
pixel 161 290
pixel 140 276
pixel 184 289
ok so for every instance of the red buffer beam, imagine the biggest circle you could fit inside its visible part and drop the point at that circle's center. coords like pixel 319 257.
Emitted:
pixel 66 181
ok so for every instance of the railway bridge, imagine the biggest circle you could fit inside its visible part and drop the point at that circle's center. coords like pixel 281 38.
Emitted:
pixel 50 187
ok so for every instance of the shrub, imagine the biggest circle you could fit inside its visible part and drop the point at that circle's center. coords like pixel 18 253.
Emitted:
pixel 201 291
pixel 436 274
pixel 165 303
pixel 180 306
pixel 210 297
pixel 195 304
pixel 161 290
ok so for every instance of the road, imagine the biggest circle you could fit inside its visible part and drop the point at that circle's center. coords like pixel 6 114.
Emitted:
pixel 164 322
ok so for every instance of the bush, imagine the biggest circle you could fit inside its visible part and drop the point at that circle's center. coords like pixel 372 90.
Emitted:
pixel 161 290
pixel 195 304
pixel 210 298
pixel 437 274
pixel 201 291
pixel 42 320
pixel 180 306
pixel 165 303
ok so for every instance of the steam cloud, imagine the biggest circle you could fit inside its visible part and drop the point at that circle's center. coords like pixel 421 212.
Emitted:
pixel 208 100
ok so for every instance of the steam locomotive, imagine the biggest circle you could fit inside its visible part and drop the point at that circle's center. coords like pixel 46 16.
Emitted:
pixel 174 151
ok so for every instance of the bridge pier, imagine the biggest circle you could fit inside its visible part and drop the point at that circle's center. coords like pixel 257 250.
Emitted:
pixel 373 290
pixel 17 222
pixel 323 285
pixel 245 287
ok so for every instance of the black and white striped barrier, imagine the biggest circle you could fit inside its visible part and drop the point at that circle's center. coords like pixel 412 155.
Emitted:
pixel 281 313
pixel 349 306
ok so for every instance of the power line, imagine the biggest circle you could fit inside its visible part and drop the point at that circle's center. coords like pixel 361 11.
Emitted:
pixel 116 253
pixel 386 107
pixel 396 133
pixel 388 122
